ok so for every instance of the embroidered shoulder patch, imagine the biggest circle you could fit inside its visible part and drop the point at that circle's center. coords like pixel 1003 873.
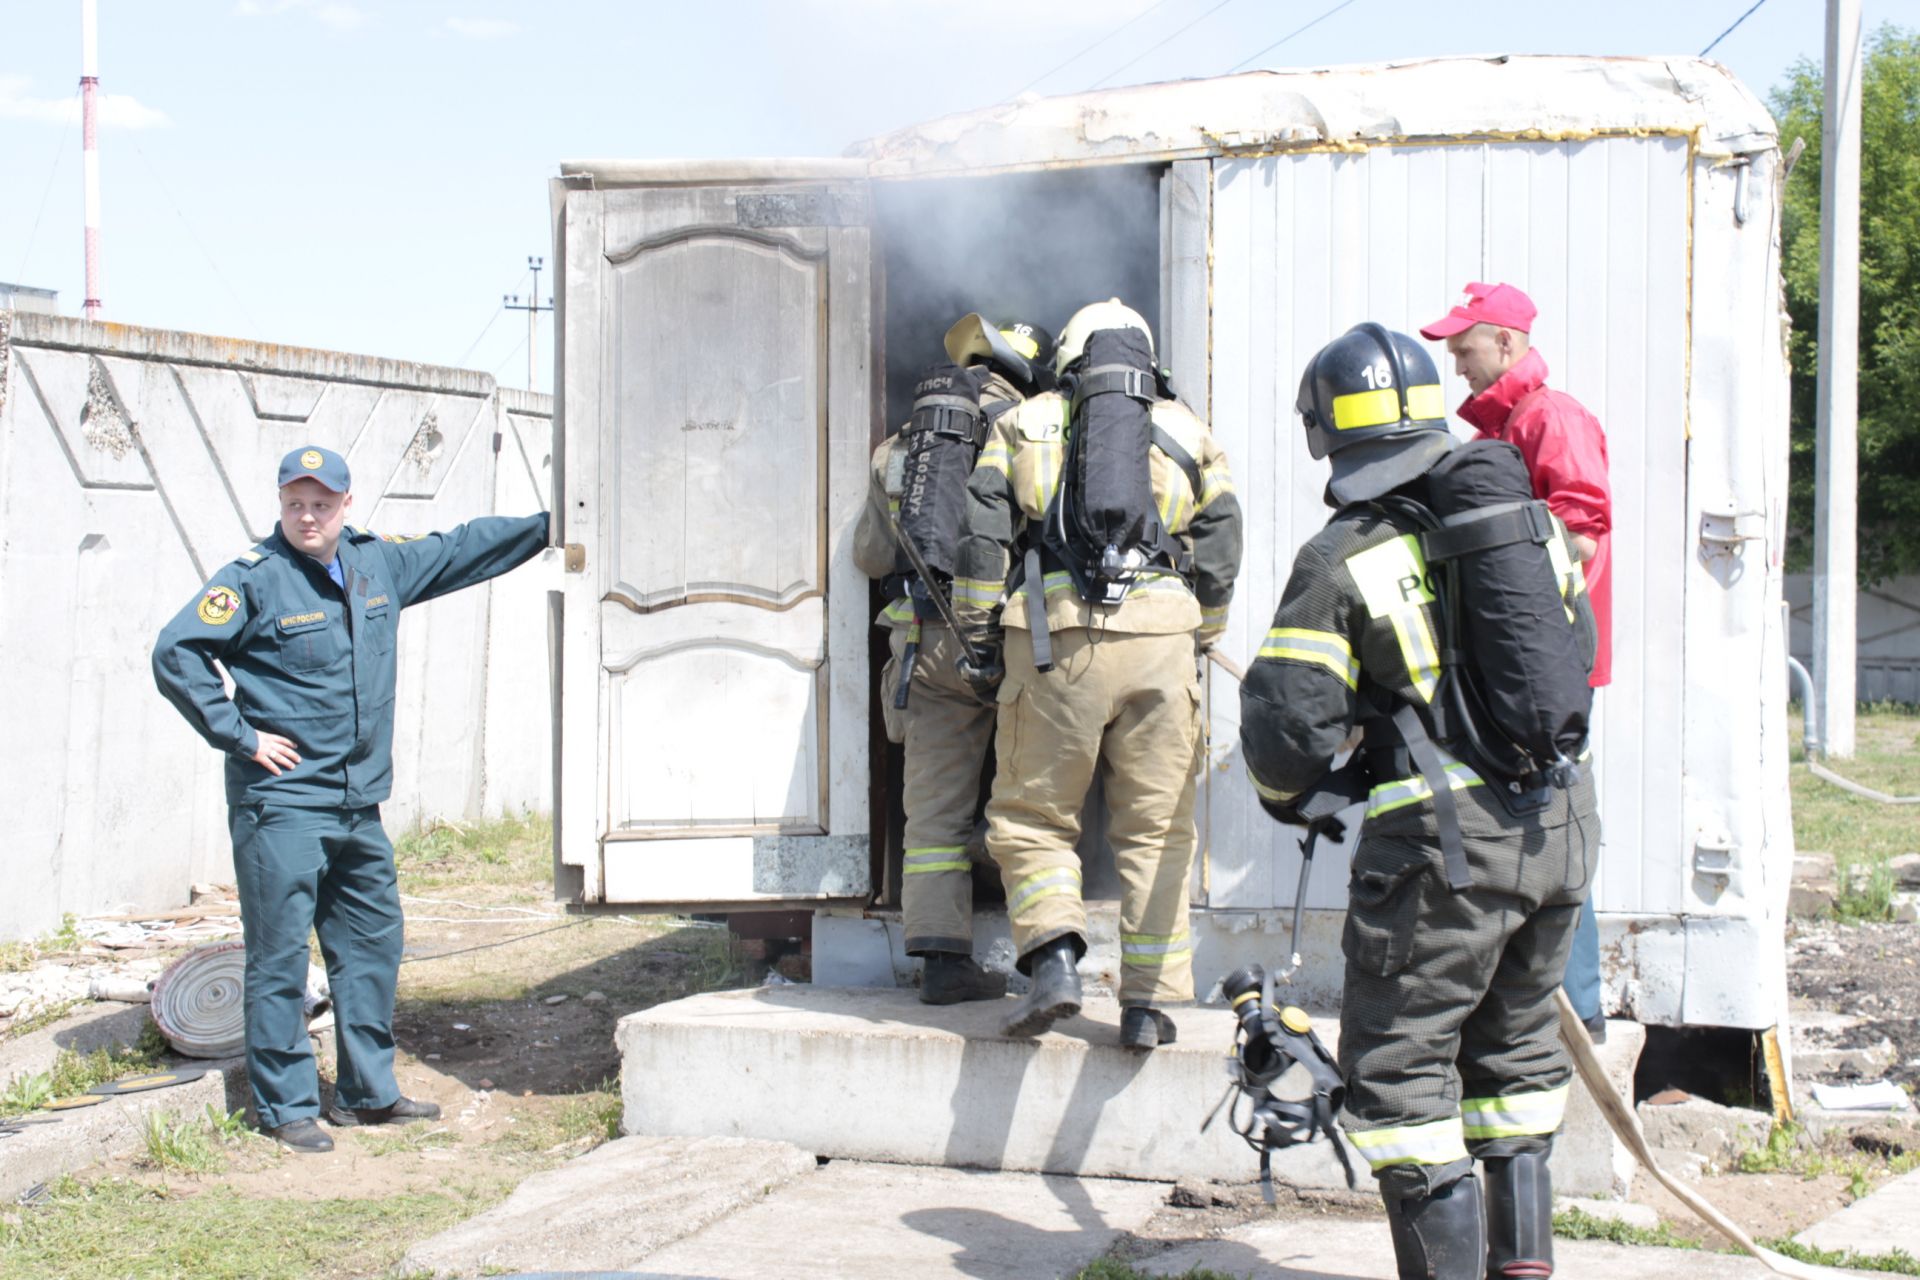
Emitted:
pixel 218 606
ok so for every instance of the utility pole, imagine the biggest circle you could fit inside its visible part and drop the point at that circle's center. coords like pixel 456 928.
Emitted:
pixel 533 307
pixel 1836 449
pixel 90 145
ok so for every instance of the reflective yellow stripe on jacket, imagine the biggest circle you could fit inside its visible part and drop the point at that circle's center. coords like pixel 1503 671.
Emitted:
pixel 1515 1115
pixel 1389 796
pixel 1392 577
pixel 1437 1142
pixel 1327 649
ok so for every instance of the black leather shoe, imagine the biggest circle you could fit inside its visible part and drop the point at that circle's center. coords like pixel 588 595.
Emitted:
pixel 1145 1028
pixel 303 1135
pixel 1056 989
pixel 1597 1028
pixel 953 979
pixel 403 1111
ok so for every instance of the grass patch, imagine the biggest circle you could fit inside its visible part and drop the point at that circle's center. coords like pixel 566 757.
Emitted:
pixel 1574 1224
pixel 511 851
pixel 1114 1269
pixel 78 1072
pixel 577 1125
pixel 180 1144
pixel 17 957
pixel 1862 834
pixel 408 1139
pixel 135 1232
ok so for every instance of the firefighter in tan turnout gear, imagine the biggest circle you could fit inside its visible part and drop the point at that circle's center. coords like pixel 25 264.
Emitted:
pixel 943 722
pixel 1462 899
pixel 1109 510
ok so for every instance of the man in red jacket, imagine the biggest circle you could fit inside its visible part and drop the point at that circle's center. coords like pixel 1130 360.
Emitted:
pixel 1566 453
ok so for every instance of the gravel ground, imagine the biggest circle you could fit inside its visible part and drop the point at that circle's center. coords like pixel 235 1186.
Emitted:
pixel 1867 971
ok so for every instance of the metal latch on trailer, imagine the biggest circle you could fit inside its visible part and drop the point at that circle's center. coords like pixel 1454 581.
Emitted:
pixel 1724 532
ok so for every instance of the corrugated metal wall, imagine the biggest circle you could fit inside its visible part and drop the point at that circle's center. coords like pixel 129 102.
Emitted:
pixel 134 463
pixel 1305 246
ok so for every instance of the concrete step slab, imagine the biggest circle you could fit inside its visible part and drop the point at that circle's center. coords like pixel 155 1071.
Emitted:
pixel 612 1207
pixel 94 1026
pixel 1360 1249
pixel 863 1221
pixel 868 1074
pixel 1879 1223
pixel 43 1152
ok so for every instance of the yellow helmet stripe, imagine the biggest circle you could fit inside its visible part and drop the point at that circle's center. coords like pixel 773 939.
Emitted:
pixel 1378 408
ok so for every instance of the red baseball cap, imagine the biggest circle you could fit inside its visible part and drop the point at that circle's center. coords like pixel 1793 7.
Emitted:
pixel 1500 304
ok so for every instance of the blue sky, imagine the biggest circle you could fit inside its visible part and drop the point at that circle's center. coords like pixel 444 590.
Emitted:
pixel 371 177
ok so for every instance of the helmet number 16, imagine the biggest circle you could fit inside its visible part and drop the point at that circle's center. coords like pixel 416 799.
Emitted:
pixel 1377 376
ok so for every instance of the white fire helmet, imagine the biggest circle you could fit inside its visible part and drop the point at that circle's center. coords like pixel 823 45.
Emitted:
pixel 1090 319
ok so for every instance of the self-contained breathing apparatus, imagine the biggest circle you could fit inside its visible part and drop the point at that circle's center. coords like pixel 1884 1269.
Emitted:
pixel 943 437
pixel 1102 526
pixel 1517 642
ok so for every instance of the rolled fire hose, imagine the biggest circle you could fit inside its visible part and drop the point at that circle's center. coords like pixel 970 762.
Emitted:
pixel 197 1001
pixel 1626 1125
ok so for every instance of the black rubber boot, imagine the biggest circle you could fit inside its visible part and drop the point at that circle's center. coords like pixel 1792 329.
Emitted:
pixel 1142 1027
pixel 1519 1216
pixel 1440 1236
pixel 1056 989
pixel 953 979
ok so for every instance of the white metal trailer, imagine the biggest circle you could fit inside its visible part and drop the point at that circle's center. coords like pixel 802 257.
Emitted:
pixel 734 335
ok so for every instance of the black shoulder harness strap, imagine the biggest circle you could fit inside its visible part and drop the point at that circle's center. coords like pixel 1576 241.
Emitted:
pixel 1426 758
pixel 1181 458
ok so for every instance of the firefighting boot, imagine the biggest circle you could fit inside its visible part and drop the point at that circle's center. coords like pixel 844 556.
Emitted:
pixel 1439 1236
pixel 1519 1217
pixel 1145 1028
pixel 1056 988
pixel 952 979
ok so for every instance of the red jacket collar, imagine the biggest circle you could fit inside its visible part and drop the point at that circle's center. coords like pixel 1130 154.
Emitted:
pixel 1490 409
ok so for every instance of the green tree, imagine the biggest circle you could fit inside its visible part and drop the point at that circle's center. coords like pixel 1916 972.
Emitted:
pixel 1889 299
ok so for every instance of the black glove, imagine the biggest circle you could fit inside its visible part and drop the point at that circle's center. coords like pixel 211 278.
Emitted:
pixel 982 676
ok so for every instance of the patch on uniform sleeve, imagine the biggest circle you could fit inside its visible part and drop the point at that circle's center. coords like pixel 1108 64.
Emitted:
pixel 218 606
pixel 395 537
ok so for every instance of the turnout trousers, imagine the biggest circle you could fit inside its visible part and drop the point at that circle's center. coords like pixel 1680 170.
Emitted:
pixel 945 728
pixel 1448 1033
pixel 330 872
pixel 1128 706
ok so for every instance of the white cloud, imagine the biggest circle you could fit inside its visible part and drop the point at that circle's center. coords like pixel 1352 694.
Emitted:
pixel 482 28
pixel 117 110
pixel 331 13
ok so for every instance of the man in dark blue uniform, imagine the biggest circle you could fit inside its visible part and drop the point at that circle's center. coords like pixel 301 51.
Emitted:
pixel 305 624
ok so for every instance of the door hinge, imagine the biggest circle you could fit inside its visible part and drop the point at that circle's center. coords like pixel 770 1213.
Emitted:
pixel 576 557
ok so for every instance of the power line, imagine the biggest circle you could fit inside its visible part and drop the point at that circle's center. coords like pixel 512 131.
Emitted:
pixel 1158 4
pixel 200 244
pixel 1730 30
pixel 487 328
pixel 1297 30
pixel 1153 47
pixel 66 136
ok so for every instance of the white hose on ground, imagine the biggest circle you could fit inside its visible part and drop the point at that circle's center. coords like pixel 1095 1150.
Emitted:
pixel 197 1001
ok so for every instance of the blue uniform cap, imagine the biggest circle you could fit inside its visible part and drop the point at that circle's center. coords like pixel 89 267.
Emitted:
pixel 315 463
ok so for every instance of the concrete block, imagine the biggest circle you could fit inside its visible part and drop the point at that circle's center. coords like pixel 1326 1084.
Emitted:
pixel 42 1152
pixel 1587 1159
pixel 879 1222
pixel 876 1075
pixel 1906 870
pixel 1827 1044
pixel 1878 1223
pixel 1717 1133
pixel 613 1206
pixel 95 1026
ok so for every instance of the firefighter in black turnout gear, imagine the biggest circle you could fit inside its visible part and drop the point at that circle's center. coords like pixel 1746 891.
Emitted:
pixel 918 491
pixel 1425 630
